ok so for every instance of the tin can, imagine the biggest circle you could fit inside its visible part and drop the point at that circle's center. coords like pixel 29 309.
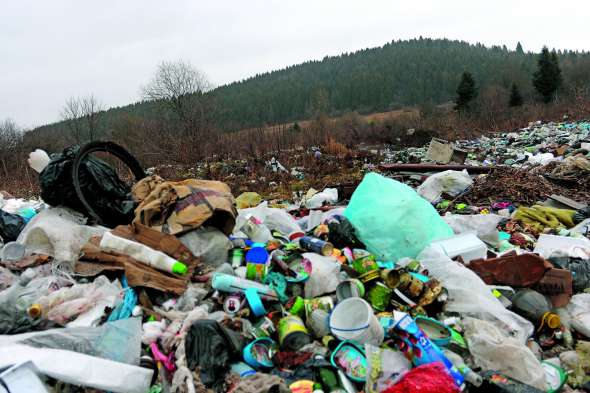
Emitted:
pixel 365 264
pixel 325 303
pixel 316 245
pixel 264 328
pixel 236 257
pixel 391 277
pixel 292 333
pixel 369 276
pixel 350 288
pixel 379 296
pixel 232 304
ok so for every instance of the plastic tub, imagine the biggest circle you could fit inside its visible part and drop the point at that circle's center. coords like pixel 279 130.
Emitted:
pixel 353 319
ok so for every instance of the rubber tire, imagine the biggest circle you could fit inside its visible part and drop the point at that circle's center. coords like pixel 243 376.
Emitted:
pixel 107 147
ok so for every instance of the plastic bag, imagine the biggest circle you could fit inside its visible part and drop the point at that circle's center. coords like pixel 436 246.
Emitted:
pixel 469 295
pixel 211 347
pixel 84 301
pixel 11 225
pixel 579 311
pixel 427 378
pixel 329 195
pixel 483 225
pixel 493 350
pixel 108 195
pixel 324 277
pixel 448 182
pixel 7 278
pixel 119 341
pixel 392 220
pixel 384 368
pixel 57 232
pixel 209 244
pixel 275 219
pixel 79 369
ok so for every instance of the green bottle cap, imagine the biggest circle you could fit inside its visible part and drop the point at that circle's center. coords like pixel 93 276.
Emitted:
pixel 179 268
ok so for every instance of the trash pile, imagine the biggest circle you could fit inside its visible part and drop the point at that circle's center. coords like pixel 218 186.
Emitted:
pixel 177 286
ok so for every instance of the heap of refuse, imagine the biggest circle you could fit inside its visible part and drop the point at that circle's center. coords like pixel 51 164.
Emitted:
pixel 177 286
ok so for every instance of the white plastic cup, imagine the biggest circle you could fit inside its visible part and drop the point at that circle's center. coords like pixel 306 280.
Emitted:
pixel 353 319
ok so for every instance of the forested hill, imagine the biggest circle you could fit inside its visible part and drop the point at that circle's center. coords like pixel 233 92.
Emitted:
pixel 400 73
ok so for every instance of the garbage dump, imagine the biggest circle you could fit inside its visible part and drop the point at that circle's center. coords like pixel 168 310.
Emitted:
pixel 455 281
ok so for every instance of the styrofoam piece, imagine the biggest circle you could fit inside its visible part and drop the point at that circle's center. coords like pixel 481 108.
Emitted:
pixel 466 245
pixel 79 369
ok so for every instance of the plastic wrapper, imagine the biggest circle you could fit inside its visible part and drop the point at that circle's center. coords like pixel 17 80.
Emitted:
pixel 6 278
pixel 209 244
pixel 119 341
pixel 324 277
pixel 447 182
pixel 469 295
pixel 384 368
pixel 392 220
pixel 86 301
pixel 79 369
pixel 579 313
pixel 492 349
pixel 483 225
pixel 57 232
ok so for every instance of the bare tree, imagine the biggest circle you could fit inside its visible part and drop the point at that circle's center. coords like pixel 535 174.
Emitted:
pixel 181 88
pixel 10 144
pixel 82 114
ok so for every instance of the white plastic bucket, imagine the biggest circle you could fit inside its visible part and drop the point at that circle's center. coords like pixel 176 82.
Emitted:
pixel 353 319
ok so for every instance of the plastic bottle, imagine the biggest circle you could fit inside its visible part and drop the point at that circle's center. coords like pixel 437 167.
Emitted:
pixel 142 253
pixel 424 350
pixel 536 308
pixel 256 230
pixel 470 376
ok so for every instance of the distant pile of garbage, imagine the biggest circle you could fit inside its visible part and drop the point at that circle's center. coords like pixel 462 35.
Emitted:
pixel 177 286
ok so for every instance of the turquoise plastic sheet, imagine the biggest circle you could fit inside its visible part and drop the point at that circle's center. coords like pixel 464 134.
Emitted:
pixel 392 219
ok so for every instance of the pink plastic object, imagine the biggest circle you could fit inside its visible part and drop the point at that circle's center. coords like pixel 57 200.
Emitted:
pixel 167 361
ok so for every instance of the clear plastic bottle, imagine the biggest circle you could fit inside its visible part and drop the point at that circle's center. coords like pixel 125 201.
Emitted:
pixel 470 376
pixel 536 308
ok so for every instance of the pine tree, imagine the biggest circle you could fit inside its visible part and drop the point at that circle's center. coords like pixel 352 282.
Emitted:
pixel 515 97
pixel 547 78
pixel 519 49
pixel 466 92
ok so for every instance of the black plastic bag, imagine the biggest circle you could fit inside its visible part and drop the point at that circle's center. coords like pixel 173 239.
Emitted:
pixel 212 348
pixel 10 226
pixel 342 234
pixel 101 193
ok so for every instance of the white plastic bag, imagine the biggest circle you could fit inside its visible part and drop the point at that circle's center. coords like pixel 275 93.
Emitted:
pixel 207 243
pixel 469 295
pixel 78 369
pixel 329 195
pixel 324 277
pixel 58 232
pixel 449 182
pixel 493 350
pixel 579 312
pixel 483 225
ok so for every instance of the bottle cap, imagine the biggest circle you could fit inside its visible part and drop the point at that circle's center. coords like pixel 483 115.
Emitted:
pixel 35 310
pixel 179 268
pixel 551 320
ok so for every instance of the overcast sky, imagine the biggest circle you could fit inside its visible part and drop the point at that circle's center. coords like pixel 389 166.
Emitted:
pixel 51 50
